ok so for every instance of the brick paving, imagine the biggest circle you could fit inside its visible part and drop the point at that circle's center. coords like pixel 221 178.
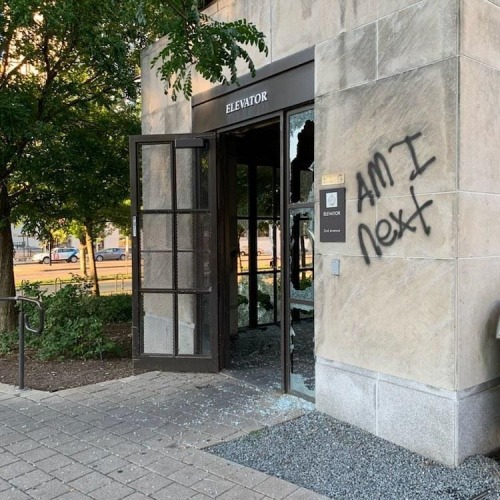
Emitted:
pixel 138 438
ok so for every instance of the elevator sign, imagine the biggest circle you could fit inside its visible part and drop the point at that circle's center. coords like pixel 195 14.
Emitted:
pixel 332 215
pixel 246 102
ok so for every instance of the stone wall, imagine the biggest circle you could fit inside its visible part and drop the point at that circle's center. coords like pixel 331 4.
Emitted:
pixel 405 339
pixel 478 201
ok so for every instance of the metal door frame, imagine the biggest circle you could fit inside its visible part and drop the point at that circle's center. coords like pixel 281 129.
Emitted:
pixel 175 361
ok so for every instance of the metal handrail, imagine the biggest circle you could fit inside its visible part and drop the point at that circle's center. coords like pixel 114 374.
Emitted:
pixel 25 325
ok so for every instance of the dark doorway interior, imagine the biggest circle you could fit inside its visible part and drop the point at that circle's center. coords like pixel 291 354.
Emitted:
pixel 269 332
pixel 253 201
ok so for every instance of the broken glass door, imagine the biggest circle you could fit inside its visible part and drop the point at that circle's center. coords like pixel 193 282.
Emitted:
pixel 300 252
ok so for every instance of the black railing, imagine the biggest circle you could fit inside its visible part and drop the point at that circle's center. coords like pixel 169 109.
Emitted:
pixel 25 325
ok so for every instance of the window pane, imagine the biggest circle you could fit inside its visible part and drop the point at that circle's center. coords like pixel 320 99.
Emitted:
pixel 204 324
pixel 158 270
pixel 194 324
pixel 157 323
pixel 187 324
pixel 265 298
pixel 301 147
pixel 301 253
pixel 194 270
pixel 193 231
pixel 156 176
pixel 302 351
pixel 243 301
pixel 242 190
pixel 265 192
pixel 156 232
pixel 191 178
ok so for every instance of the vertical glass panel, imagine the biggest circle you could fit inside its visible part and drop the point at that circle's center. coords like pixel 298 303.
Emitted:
pixel 191 178
pixel 186 270
pixel 264 242
pixel 242 228
pixel 158 323
pixel 193 231
pixel 242 190
pixel 156 176
pixel 158 270
pixel 265 298
pixel 185 178
pixel 302 349
pixel 194 270
pixel 204 331
pixel 266 191
pixel 156 232
pixel 301 253
pixel 243 301
pixel 186 231
pixel 275 237
pixel 187 342
pixel 193 243
pixel 301 147
pixel 203 191
pixel 194 330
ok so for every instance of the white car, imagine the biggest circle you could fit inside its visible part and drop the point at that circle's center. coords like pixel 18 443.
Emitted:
pixel 59 254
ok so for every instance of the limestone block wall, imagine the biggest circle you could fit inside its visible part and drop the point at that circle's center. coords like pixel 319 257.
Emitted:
pixel 159 114
pixel 386 116
pixel 478 296
pixel 407 106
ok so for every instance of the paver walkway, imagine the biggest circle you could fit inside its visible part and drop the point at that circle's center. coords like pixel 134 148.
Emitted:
pixel 137 438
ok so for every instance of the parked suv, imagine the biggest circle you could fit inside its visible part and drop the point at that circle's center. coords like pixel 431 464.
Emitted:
pixel 59 254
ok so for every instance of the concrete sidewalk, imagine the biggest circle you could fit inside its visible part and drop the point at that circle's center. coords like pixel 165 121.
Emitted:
pixel 139 437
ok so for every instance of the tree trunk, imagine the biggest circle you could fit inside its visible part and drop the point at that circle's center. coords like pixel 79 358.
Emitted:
pixel 7 284
pixel 92 266
pixel 83 258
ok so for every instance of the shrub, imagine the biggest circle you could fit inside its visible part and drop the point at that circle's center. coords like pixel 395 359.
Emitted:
pixel 8 342
pixel 74 321
pixel 112 308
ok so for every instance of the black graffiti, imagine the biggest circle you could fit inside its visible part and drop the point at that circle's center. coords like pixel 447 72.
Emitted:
pixel 373 169
pixel 419 169
pixel 388 231
pixel 390 235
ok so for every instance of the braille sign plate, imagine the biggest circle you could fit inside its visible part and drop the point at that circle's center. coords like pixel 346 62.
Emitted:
pixel 332 179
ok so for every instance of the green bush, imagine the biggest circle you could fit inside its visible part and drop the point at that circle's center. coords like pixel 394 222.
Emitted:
pixel 74 321
pixel 112 308
pixel 8 342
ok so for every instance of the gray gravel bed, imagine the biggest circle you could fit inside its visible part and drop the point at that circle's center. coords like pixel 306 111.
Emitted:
pixel 343 462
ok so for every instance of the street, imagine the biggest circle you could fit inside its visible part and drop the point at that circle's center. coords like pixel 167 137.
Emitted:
pixel 114 275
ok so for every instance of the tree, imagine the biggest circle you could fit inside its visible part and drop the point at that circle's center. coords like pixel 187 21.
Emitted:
pixel 58 58
pixel 91 198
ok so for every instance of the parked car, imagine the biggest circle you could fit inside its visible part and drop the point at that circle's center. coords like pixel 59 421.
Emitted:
pixel 111 254
pixel 40 257
pixel 59 254
pixel 244 251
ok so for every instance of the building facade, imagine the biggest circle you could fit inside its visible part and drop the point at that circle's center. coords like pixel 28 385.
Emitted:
pixel 365 153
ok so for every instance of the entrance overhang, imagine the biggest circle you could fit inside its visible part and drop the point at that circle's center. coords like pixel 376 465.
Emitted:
pixel 286 83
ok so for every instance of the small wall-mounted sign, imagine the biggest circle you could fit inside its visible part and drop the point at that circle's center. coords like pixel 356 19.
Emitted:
pixel 333 179
pixel 332 215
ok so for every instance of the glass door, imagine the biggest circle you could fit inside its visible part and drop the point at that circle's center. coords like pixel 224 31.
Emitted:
pixel 257 215
pixel 174 231
pixel 299 252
